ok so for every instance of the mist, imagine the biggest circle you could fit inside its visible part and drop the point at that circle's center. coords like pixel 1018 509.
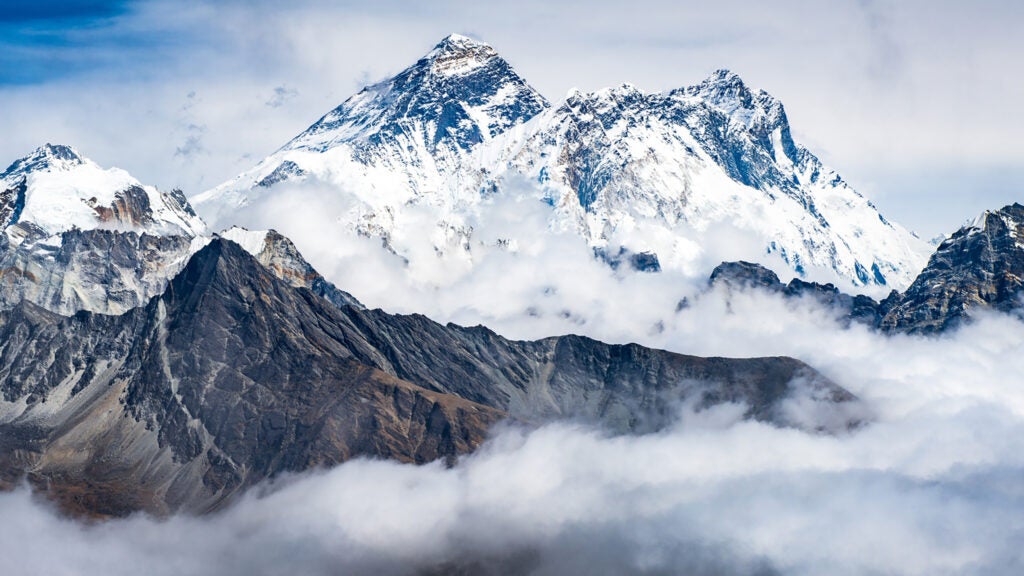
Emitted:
pixel 928 486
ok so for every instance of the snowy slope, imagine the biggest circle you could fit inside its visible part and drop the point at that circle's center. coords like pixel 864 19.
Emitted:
pixel 645 170
pixel 55 189
pixel 622 168
pixel 403 140
pixel 75 236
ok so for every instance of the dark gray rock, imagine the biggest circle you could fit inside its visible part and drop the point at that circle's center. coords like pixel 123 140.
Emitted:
pixel 980 266
pixel 746 275
pixel 12 202
pixel 233 376
pixel 638 261
pixel 627 388
pixel 229 378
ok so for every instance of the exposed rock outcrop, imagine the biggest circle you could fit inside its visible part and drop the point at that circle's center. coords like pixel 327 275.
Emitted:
pixel 980 267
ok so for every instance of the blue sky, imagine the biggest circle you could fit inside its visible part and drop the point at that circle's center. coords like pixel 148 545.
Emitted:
pixel 53 40
pixel 60 10
pixel 912 101
pixel 37 38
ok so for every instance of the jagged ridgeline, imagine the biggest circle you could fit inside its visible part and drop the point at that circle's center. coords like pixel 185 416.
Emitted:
pixel 233 376
pixel 76 236
pixel 979 267
pixel 625 169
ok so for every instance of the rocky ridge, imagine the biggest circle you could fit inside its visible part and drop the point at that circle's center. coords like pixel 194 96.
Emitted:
pixel 233 376
pixel 979 267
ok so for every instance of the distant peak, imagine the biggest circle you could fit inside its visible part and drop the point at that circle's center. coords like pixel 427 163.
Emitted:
pixel 46 157
pixel 1010 213
pixel 726 92
pixel 624 88
pixel 724 76
pixel 723 85
pixel 458 54
pixel 60 152
pixel 459 94
pixel 458 43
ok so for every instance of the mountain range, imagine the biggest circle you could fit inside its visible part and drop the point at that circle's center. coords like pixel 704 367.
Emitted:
pixel 979 267
pixel 623 169
pixel 233 376
pixel 147 363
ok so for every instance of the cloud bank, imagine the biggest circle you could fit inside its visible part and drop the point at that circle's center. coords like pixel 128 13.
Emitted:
pixel 931 487
pixel 928 487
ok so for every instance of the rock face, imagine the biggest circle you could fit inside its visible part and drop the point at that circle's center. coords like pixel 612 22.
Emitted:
pixel 233 376
pixel 981 266
pixel 625 169
pixel 279 255
pixel 746 275
pixel 628 388
pixel 230 377
pixel 76 236
pixel 100 270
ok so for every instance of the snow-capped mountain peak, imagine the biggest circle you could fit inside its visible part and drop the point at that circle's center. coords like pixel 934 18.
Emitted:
pixel 458 95
pixel 605 100
pixel 458 54
pixel 647 172
pixel 726 93
pixel 415 129
pixel 47 157
pixel 76 236
pixel 724 90
pixel 55 189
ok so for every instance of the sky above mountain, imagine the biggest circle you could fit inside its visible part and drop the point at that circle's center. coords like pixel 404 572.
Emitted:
pixel 911 101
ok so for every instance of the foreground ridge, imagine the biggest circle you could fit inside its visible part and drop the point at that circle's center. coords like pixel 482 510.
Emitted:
pixel 233 376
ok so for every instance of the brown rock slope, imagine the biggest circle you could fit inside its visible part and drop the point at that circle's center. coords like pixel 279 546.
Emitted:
pixel 232 377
